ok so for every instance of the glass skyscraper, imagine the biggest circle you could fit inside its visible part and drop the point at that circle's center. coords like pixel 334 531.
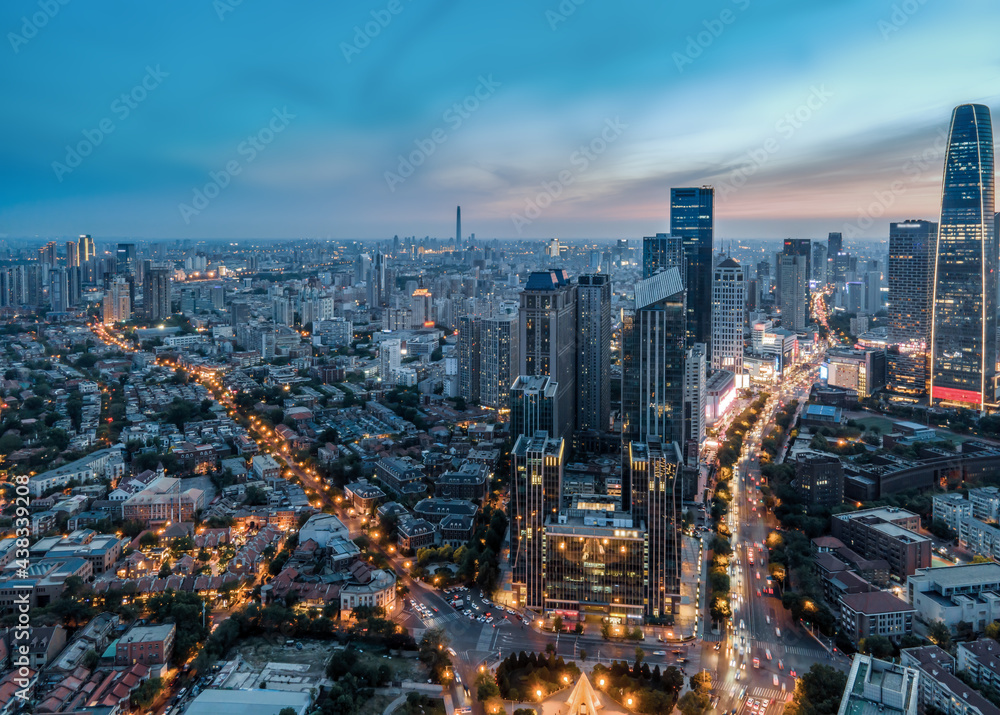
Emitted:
pixel 662 251
pixel 963 358
pixel 692 218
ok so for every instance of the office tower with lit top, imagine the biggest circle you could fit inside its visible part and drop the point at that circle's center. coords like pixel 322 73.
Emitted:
pixel 692 218
pixel 548 338
pixel 593 363
pixel 963 331
pixel 729 300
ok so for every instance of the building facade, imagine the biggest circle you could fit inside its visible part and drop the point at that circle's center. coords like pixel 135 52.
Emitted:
pixel 729 301
pixel 593 360
pixel 912 247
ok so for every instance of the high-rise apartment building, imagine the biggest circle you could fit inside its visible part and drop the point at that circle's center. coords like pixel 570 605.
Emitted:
pixel 662 251
pixel 963 332
pixel 72 254
pixel 593 360
pixel 59 297
pixel 469 365
pixel 653 341
pixel 390 356
pixel 692 219
pixel 695 394
pixel 834 244
pixel 117 301
pixel 912 247
pixel 498 361
pixel 729 302
pixel 156 287
pixel 548 338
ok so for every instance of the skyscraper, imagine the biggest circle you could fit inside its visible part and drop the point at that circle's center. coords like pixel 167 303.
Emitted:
pixel 537 461
pixel 834 244
pixel 72 254
pixel 662 251
pixel 126 259
pixel 593 360
pixel 533 405
pixel 695 394
pixel 548 339
pixel 86 248
pixel 793 274
pixel 656 499
pixel 458 227
pixel 469 341
pixel 692 218
pixel 653 360
pixel 117 304
pixel 963 332
pixel 59 289
pixel 820 264
pixel 498 361
pixel 156 286
pixel 729 299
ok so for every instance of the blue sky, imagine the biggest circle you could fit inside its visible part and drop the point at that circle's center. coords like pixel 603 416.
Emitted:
pixel 806 115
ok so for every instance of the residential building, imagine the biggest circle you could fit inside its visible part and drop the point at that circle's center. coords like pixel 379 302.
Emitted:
pixel 793 273
pixel 819 479
pixel 534 405
pixel 469 354
pixel 729 304
pixel 498 359
pixel 885 533
pixel 940 689
pixel 149 645
pixel 156 287
pixel 951 508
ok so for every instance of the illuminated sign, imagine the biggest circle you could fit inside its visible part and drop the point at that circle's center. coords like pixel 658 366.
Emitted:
pixel 956 395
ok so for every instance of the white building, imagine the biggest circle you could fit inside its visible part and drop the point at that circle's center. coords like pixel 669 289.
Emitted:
pixel 952 594
pixel 951 508
pixel 390 353
pixel 729 300
pixel 266 467
pixel 695 392
pixel 498 359
pixel 875 686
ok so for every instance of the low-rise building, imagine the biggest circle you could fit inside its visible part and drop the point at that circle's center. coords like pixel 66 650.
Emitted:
pixel 981 660
pixel 363 496
pixel 940 689
pixel 886 533
pixel 149 645
pixel 875 613
pixel 953 594
pixel 877 686
pixel 368 587
pixel 266 467
pixel 951 508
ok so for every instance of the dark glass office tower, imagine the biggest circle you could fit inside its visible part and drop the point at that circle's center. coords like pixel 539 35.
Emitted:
pixel 653 361
pixel 126 259
pixel 912 247
pixel 963 357
pixel 692 217
pixel 548 339
pixel 662 251
pixel 593 359
pixel 834 244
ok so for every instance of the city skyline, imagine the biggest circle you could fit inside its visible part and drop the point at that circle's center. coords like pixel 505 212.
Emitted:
pixel 327 121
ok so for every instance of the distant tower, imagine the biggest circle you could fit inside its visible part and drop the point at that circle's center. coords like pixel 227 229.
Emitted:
pixel 458 227
pixel 729 300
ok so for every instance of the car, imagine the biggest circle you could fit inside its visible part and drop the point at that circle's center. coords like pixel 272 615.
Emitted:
pixel 778 631
pixel 659 652
pixel 775 679
pixel 781 664
pixel 767 653
pixel 758 593
pixel 791 673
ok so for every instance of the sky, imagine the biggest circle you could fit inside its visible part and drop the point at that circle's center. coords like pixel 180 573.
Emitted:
pixel 541 118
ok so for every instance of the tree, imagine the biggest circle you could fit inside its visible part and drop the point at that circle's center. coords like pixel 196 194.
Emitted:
pixel 433 653
pixel 980 559
pixel 701 682
pixel 939 634
pixel 583 655
pixel 605 631
pixel 486 687
pixel 557 624
pixel 877 647
pixel 818 692
pixel 578 628
pixel 992 630
pixel 692 703
pixel 288 711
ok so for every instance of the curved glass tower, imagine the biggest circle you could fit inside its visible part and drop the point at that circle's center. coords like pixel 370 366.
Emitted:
pixel 963 337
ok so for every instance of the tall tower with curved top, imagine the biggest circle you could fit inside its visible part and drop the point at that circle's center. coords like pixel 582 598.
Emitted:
pixel 963 361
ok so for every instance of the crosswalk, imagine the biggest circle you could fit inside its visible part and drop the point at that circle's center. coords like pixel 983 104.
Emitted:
pixel 772 694
pixel 779 648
